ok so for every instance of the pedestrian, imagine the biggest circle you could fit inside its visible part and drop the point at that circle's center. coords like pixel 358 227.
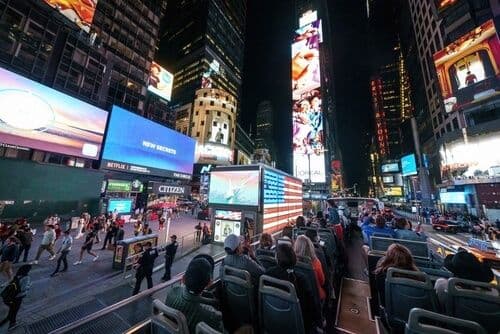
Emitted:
pixel 170 251
pixel 14 293
pixel 57 230
pixel 206 234
pixel 161 223
pixel 147 230
pixel 198 229
pixel 87 246
pixel 64 250
pixel 120 233
pixel 25 236
pixel 9 255
pixel 110 234
pixel 48 240
pixel 137 228
pixel 98 225
pixel 145 265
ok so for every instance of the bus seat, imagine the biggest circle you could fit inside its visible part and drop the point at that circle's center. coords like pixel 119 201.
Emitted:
pixel 405 290
pixel 307 270
pixel 168 320
pixel 434 274
pixel 268 252
pixel 239 298
pixel 279 307
pixel 203 328
pixel 426 322
pixel 373 259
pixel 463 301
pixel 267 261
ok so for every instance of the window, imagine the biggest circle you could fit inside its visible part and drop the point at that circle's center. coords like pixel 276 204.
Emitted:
pixel 196 113
pixel 201 103
pixel 225 126
pixel 192 125
pixel 202 123
pixel 223 105
pixel 204 94
pixel 207 112
pixel 198 134
pixel 212 103
pixel 214 123
pixel 218 113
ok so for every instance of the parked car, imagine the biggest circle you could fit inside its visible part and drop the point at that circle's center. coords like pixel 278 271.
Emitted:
pixel 450 226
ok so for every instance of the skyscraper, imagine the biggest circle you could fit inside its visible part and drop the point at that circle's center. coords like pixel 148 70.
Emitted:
pixel 264 127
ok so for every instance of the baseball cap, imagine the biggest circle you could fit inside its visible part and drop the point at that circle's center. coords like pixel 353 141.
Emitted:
pixel 173 236
pixel 232 242
pixel 197 275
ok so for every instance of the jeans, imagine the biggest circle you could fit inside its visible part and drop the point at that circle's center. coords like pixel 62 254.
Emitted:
pixel 139 276
pixel 14 307
pixel 25 249
pixel 109 237
pixel 49 248
pixel 62 258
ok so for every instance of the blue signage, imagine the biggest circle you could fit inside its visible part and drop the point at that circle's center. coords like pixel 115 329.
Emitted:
pixel 274 187
pixel 408 165
pixel 137 145
pixel 120 205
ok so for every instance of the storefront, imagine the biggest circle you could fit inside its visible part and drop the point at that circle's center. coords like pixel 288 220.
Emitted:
pixel 121 196
pixel 165 195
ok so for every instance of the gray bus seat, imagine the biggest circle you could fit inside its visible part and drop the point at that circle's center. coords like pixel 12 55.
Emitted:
pixel 203 328
pixel 168 320
pixel 267 261
pixel 426 322
pixel 239 297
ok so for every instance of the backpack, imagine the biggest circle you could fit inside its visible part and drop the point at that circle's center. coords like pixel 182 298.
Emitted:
pixel 10 292
pixel 333 216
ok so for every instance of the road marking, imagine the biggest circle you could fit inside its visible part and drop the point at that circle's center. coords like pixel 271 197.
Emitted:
pixel 457 239
pixel 450 241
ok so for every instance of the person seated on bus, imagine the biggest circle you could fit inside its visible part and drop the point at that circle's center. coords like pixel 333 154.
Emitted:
pixel 403 231
pixel 209 297
pixel 325 260
pixel 187 298
pixel 397 256
pixel 266 244
pixel 464 265
pixel 300 222
pixel 368 229
pixel 304 247
pixel 287 260
pixel 237 259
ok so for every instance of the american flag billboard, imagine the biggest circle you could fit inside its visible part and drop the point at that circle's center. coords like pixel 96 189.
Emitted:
pixel 282 200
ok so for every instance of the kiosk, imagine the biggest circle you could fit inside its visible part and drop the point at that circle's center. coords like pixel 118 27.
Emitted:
pixel 127 247
pixel 252 199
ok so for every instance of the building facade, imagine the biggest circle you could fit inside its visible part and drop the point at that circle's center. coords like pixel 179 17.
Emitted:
pixel 264 127
pixel 244 146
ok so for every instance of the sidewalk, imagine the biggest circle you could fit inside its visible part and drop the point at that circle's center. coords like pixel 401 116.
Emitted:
pixel 67 288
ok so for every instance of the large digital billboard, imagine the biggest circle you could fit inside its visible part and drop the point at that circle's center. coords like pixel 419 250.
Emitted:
pixel 137 145
pixel 477 157
pixel 234 187
pixel 35 116
pixel 468 69
pixel 160 81
pixel 390 167
pixel 282 200
pixel 453 197
pixel 408 165
pixel 81 12
pixel 308 136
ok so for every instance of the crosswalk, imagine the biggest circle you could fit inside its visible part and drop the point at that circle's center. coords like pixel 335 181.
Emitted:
pixel 450 240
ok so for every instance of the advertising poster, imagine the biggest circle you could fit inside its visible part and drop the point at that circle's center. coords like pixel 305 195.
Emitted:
pixel 123 205
pixel 214 153
pixel 234 187
pixel 223 228
pixel 408 165
pixel 393 191
pixel 160 81
pixel 81 12
pixel 219 132
pixel 468 69
pixel 307 132
pixel 137 145
pixel 35 116
pixel 390 168
pixel 471 159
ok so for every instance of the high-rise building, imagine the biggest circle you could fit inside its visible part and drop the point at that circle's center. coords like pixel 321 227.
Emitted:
pixel 264 127
pixel 244 146
pixel 203 42
pixel 314 144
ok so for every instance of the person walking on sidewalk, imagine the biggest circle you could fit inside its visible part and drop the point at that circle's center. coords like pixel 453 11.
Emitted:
pixel 9 254
pixel 81 227
pixel 25 237
pixel 14 293
pixel 170 251
pixel 145 266
pixel 64 249
pixel 49 237
pixel 110 234
pixel 198 229
pixel 87 246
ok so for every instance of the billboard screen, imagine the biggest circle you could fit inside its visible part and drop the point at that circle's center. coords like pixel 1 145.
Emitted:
pixel 219 131
pixel 471 159
pixel 409 165
pixel 282 200
pixel 137 145
pixel 388 179
pixel 35 116
pixel 308 136
pixel 234 187
pixel 389 168
pixel 81 12
pixel 468 69
pixel 120 205
pixel 160 81
pixel 393 191
pixel 453 197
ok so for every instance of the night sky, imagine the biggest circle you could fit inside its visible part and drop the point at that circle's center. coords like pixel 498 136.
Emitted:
pixel 267 77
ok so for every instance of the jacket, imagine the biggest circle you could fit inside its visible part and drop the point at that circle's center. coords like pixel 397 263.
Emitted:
pixel 25 237
pixel 49 237
pixel 171 249
pixel 244 262
pixel 194 309
pixel 147 260
pixel 9 253
pixel 66 244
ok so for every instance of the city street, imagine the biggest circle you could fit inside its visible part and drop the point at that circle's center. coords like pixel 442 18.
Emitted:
pixel 49 295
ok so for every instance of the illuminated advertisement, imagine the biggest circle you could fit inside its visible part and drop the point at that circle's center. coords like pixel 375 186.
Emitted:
pixel 393 191
pixel 120 205
pixel 226 214
pixel 35 116
pixel 475 158
pixel 408 165
pixel 454 197
pixel 468 69
pixel 388 179
pixel 282 196
pixel 234 187
pixel 160 81
pixel 389 168
pixel 206 78
pixel 223 228
pixel 81 12
pixel 214 153
pixel 219 132
pixel 137 145
pixel 308 137
pixel 443 4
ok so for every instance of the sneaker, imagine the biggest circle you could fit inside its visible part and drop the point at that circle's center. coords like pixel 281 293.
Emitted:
pixel 34 262
pixel 52 257
pixel 77 263
pixel 95 259
pixel 53 274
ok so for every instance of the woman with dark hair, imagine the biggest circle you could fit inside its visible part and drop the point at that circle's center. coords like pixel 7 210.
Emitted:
pixel 397 256
pixel 285 255
pixel 300 222
pixel 19 287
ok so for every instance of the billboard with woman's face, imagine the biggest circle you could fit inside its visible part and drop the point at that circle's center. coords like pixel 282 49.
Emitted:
pixel 468 69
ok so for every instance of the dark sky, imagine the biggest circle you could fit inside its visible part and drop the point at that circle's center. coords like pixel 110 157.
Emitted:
pixel 267 76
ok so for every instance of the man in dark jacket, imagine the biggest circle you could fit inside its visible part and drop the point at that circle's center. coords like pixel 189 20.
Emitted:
pixel 110 234
pixel 145 266
pixel 170 251
pixel 25 237
pixel 9 255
